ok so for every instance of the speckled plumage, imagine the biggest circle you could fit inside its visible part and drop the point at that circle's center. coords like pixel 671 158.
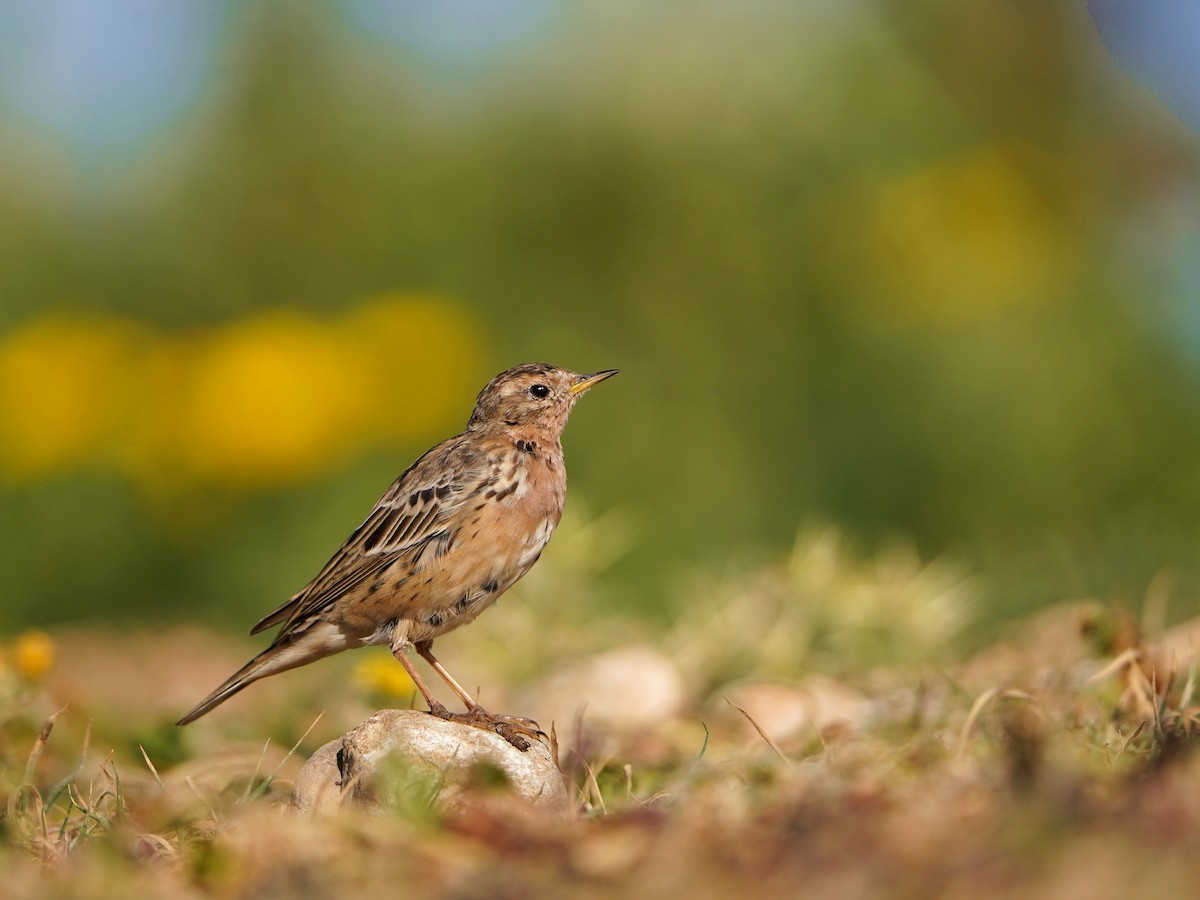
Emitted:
pixel 451 534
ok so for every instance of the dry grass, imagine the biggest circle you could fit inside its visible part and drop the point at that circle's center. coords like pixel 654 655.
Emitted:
pixel 1057 762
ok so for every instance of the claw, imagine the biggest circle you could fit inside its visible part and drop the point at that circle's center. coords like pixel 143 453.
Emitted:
pixel 514 729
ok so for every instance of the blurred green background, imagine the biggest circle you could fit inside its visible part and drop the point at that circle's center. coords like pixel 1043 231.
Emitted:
pixel 922 270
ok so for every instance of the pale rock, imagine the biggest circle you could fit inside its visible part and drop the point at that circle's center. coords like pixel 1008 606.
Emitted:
pixel 1179 647
pixel 788 712
pixel 624 691
pixel 317 788
pixel 396 750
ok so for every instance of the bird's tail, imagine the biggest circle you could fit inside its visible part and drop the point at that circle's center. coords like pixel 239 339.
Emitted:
pixel 290 651
pixel 243 677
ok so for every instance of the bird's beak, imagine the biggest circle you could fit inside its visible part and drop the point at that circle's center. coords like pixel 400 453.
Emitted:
pixel 591 380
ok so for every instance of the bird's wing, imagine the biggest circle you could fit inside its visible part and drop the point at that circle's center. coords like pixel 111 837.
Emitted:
pixel 412 517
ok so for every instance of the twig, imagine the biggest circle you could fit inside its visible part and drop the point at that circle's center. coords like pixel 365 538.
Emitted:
pixel 150 766
pixel 257 769
pixel 39 745
pixel 762 734
pixel 1185 699
pixel 704 746
pixel 57 790
pixel 1119 662
pixel 964 735
pixel 262 788
pixel 1129 740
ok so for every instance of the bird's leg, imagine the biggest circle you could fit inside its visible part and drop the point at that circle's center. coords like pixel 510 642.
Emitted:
pixel 513 729
pixel 425 649
pixel 435 707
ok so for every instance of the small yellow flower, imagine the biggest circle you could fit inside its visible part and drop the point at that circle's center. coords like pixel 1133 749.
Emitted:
pixel 383 675
pixel 33 655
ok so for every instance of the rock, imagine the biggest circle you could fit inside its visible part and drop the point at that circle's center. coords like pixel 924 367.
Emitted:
pixel 624 691
pixel 788 713
pixel 318 788
pixel 1036 650
pixel 1179 647
pixel 402 758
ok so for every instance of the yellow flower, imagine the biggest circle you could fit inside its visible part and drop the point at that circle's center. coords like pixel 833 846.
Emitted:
pixel 270 398
pixel 383 675
pixel 33 655
pixel 964 238
pixel 422 355
pixel 65 388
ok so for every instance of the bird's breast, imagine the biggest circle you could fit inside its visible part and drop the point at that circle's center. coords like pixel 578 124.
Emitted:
pixel 501 534
pixel 529 493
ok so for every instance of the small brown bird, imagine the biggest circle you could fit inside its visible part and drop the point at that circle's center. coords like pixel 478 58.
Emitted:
pixel 451 534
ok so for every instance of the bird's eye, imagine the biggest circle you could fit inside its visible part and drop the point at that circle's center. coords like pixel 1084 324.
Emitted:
pixel 539 391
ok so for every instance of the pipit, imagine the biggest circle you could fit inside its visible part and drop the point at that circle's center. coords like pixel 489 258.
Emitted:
pixel 451 534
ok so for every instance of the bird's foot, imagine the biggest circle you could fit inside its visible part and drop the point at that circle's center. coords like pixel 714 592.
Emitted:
pixel 514 729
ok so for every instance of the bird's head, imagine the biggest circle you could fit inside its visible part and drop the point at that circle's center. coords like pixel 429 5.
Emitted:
pixel 534 395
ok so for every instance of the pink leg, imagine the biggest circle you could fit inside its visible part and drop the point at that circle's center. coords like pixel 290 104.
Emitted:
pixel 435 707
pixel 425 649
pixel 513 729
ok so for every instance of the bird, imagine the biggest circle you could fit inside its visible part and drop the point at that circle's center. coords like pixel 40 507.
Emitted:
pixel 456 530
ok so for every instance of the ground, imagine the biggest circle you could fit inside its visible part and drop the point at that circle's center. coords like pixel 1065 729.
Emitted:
pixel 1056 760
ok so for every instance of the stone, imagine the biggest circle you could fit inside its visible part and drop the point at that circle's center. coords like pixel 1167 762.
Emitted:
pixel 409 760
pixel 625 691
pixel 789 713
pixel 317 789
